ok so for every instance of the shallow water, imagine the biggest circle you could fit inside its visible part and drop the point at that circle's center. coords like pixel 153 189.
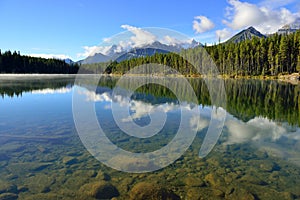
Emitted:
pixel 257 155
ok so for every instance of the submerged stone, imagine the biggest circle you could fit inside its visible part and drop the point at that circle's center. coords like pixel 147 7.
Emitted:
pixel 194 182
pixel 145 190
pixel 253 179
pixel 69 160
pixel 240 194
pixel 214 180
pixel 103 176
pixel 99 190
pixel 6 187
pixel 8 196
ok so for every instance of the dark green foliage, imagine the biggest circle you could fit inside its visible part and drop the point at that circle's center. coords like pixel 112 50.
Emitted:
pixel 16 63
pixel 172 60
pixel 277 54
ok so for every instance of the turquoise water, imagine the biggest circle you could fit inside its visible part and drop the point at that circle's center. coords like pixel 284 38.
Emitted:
pixel 42 157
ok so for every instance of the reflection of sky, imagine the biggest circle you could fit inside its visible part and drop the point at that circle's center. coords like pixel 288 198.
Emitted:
pixel 39 108
pixel 262 133
pixel 137 107
pixel 277 139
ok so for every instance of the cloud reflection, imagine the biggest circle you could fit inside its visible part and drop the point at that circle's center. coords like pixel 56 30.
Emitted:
pixel 276 139
pixel 52 91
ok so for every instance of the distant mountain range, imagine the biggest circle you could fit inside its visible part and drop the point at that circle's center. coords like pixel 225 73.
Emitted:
pixel 114 53
pixel 146 50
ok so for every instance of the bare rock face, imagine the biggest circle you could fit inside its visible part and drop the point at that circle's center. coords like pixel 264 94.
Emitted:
pixel 151 191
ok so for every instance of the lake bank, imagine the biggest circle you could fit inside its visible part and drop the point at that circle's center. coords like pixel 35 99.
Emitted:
pixel 293 78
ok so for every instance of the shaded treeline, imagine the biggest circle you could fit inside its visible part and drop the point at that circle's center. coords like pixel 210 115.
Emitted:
pixel 16 63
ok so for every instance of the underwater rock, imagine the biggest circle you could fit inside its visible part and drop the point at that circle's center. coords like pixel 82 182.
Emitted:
pixel 99 190
pixel 3 157
pixel 6 187
pixel 21 168
pixel 85 173
pixel 218 193
pixel 268 166
pixel 194 182
pixel 193 194
pixel 39 183
pixel 8 196
pixel 240 194
pixel 145 190
pixel 264 165
pixel 214 180
pixel 69 160
pixel 23 189
pixel 103 176
pixel 127 163
pixel 253 179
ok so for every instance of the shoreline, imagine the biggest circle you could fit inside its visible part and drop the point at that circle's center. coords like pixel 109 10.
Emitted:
pixel 293 78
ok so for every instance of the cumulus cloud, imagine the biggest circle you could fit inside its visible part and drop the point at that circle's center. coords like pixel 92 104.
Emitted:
pixel 140 37
pixel 169 40
pixel 265 19
pixel 223 34
pixel 57 56
pixel 202 24
pixel 92 50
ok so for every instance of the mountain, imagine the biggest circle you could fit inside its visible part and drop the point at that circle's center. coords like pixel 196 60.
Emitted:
pixel 96 58
pixel 117 53
pixel 246 34
pixel 290 28
pixel 140 52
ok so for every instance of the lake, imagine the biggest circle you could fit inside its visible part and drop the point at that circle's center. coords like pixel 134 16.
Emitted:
pixel 49 147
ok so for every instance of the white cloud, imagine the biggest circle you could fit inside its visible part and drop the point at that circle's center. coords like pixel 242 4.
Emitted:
pixel 57 56
pixel 141 37
pixel 265 19
pixel 169 40
pixel 223 34
pixel 92 50
pixel 202 24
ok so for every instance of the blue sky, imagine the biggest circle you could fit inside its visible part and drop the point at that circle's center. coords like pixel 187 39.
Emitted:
pixel 64 28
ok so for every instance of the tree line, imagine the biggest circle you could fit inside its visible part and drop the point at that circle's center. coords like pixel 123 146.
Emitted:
pixel 16 63
pixel 274 55
pixel 271 56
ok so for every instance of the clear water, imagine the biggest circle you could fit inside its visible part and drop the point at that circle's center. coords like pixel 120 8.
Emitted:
pixel 42 156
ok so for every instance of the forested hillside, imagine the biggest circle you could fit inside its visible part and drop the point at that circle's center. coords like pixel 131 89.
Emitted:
pixel 277 54
pixel 16 63
pixel 274 55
